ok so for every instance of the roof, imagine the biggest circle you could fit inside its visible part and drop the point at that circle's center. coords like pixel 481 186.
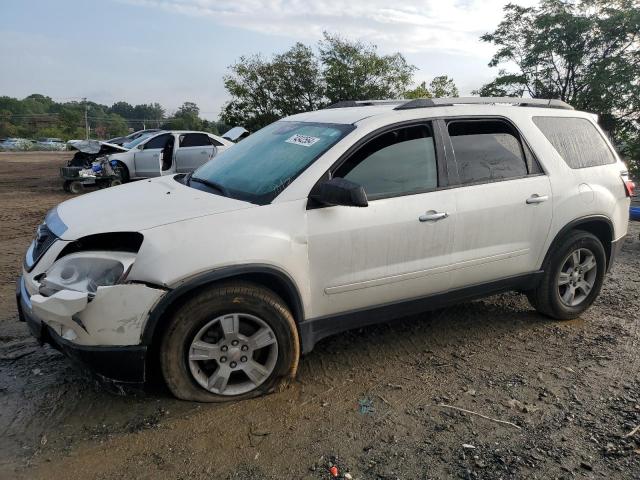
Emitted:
pixel 339 113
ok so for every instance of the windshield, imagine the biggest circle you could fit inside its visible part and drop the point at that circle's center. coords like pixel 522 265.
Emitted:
pixel 138 140
pixel 262 165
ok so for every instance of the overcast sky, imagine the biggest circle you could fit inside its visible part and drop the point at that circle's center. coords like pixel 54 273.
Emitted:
pixel 171 51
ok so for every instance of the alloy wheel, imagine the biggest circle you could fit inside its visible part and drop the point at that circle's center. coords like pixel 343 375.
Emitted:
pixel 233 354
pixel 577 277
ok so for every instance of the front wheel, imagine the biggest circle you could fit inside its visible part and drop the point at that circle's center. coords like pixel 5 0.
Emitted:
pixel 231 342
pixel 573 276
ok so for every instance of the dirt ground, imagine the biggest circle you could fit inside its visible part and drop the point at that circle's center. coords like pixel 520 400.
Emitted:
pixel 557 399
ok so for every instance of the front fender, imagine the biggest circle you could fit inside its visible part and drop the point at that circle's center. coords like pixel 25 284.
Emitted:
pixel 241 271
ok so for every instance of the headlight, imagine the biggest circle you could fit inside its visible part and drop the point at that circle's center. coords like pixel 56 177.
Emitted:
pixel 86 271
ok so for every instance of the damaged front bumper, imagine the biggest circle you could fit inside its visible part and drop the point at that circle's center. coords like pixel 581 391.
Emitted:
pixel 101 332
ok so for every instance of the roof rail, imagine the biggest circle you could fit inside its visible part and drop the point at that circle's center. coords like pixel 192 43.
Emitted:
pixel 364 103
pixel 523 102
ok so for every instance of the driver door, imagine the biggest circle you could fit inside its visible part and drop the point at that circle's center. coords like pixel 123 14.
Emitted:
pixel 399 246
pixel 147 160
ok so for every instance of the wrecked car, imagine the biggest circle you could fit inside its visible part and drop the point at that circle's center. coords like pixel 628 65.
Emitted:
pixel 322 222
pixel 152 154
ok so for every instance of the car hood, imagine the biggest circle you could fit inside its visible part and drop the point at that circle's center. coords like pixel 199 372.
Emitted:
pixel 95 146
pixel 135 207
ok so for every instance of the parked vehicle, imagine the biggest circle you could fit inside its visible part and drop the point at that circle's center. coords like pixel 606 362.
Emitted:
pixel 168 152
pixel 323 222
pixel 13 143
pixel 152 154
pixel 51 144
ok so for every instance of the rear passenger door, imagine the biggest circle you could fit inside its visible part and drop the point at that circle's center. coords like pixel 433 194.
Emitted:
pixel 194 150
pixel 503 202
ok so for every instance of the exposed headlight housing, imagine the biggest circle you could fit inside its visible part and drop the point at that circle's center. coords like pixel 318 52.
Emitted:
pixel 86 271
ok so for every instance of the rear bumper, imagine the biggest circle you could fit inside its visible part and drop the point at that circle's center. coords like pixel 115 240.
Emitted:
pixel 616 247
pixel 118 363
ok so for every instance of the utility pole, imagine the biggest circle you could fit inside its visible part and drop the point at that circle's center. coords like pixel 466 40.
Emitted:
pixel 86 119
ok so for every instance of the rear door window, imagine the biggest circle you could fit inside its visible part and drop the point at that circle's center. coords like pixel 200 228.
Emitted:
pixel 157 142
pixel 399 162
pixel 576 140
pixel 488 150
pixel 195 140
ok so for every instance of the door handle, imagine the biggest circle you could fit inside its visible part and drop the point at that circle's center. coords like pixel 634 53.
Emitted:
pixel 156 155
pixel 204 152
pixel 433 216
pixel 535 198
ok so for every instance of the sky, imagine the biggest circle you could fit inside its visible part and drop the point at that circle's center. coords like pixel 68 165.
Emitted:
pixel 172 51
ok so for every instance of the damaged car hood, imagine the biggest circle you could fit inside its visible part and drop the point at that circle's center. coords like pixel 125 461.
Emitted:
pixel 96 146
pixel 137 206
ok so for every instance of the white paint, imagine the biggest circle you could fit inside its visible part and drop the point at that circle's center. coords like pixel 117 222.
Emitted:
pixel 340 258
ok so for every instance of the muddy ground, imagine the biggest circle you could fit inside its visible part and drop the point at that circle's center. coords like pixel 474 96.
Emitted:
pixel 369 401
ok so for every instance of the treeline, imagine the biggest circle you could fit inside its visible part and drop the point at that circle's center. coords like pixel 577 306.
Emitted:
pixel 38 116
pixel 584 52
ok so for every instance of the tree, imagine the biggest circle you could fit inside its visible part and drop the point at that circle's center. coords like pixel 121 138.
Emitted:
pixel 300 80
pixel 263 91
pixel 355 71
pixel 585 52
pixel 186 118
pixel 124 109
pixel 441 86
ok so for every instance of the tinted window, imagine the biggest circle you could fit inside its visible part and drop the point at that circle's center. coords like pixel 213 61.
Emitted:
pixel 195 140
pixel 399 162
pixel 157 142
pixel 486 150
pixel 577 141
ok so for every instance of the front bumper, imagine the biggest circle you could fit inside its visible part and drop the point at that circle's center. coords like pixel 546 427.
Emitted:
pixel 119 363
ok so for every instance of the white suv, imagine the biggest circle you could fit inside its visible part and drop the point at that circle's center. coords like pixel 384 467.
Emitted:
pixel 323 222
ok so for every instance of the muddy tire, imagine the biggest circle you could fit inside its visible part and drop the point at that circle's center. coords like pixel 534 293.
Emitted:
pixel 66 186
pixel 573 276
pixel 233 341
pixel 75 187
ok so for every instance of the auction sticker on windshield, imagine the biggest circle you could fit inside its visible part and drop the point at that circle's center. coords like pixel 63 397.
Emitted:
pixel 304 140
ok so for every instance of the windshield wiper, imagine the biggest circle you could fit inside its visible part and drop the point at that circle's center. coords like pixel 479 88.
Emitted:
pixel 215 185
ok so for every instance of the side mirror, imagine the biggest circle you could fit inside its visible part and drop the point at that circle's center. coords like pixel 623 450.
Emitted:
pixel 339 191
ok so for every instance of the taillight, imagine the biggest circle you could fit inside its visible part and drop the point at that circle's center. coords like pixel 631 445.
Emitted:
pixel 629 186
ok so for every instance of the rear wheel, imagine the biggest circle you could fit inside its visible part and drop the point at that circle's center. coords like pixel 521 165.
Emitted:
pixel 573 276
pixel 76 187
pixel 234 341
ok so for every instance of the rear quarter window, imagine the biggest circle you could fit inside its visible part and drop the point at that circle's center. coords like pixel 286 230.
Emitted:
pixel 576 140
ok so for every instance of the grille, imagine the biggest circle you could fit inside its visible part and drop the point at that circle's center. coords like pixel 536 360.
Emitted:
pixel 70 172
